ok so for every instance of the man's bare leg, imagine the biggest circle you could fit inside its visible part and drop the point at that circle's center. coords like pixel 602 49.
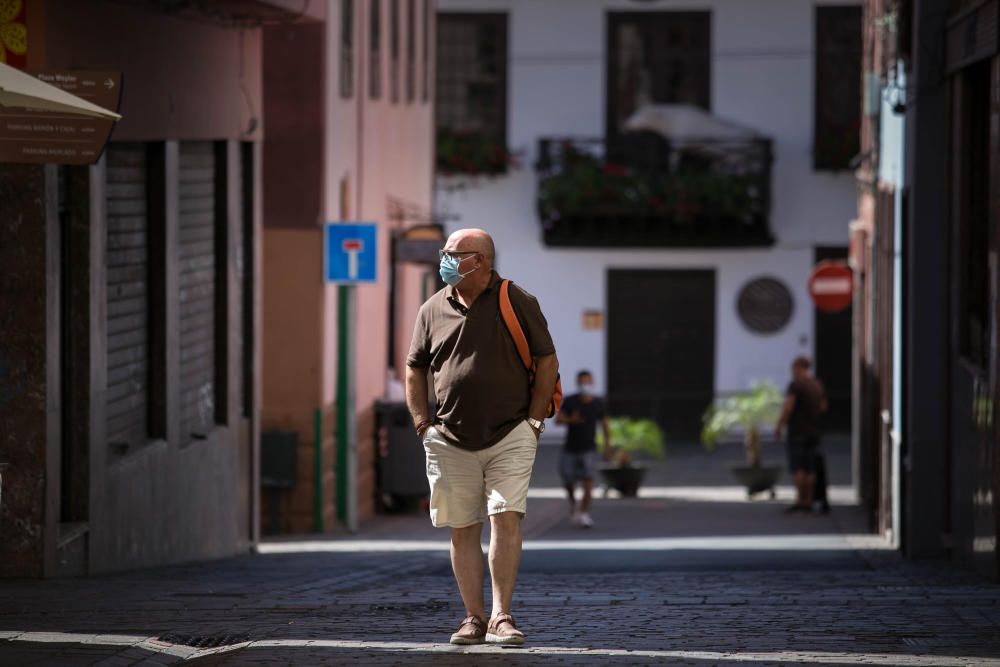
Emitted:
pixel 805 485
pixel 571 492
pixel 798 477
pixel 808 489
pixel 588 486
pixel 467 564
pixel 505 558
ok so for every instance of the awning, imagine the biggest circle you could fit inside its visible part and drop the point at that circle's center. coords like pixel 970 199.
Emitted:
pixel 18 89
pixel 684 122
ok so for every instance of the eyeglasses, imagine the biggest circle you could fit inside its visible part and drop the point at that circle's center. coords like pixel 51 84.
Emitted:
pixel 455 254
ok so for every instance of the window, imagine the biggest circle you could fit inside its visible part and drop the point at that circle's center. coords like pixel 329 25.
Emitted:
pixel 375 49
pixel 346 48
pixel 837 102
pixel 656 57
pixel 472 74
pixel 411 50
pixel 394 51
pixel 970 208
pixel 425 54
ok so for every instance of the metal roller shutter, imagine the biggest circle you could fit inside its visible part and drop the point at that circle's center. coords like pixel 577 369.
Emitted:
pixel 127 295
pixel 197 288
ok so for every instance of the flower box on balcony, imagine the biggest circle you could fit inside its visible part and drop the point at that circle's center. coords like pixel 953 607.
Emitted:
pixel 469 153
pixel 646 193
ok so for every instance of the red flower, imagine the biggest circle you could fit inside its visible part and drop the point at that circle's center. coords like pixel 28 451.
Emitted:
pixel 612 169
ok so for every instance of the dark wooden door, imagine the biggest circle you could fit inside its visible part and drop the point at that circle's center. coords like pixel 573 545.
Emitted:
pixel 833 354
pixel 661 347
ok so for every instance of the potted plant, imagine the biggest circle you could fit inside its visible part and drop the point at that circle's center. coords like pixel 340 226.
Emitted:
pixel 630 438
pixel 582 185
pixel 749 411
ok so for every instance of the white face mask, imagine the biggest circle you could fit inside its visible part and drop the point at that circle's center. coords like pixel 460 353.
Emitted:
pixel 586 390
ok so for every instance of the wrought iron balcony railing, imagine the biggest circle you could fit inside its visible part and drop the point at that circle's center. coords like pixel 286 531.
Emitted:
pixel 643 190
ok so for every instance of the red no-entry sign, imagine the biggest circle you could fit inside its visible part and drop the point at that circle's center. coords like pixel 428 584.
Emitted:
pixel 831 285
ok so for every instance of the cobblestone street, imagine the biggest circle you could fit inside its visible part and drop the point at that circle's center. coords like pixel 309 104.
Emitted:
pixel 689 573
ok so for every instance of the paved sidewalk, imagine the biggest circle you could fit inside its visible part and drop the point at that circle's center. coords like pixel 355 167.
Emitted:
pixel 691 574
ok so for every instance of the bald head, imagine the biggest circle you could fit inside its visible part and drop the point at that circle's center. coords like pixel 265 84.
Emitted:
pixel 466 240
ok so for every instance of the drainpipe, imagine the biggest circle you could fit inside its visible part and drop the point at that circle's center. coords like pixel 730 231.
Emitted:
pixel 346 452
pixel 317 471
pixel 897 331
pixel 347 445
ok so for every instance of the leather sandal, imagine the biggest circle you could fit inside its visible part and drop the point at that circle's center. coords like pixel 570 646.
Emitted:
pixel 471 631
pixel 503 630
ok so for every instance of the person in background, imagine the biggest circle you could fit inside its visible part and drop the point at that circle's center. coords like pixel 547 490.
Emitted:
pixel 805 402
pixel 581 412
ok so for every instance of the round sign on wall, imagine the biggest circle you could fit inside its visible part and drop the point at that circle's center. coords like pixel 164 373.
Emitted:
pixel 831 286
pixel 765 305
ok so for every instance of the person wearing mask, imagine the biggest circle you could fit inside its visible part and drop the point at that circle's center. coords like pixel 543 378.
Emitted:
pixel 581 412
pixel 805 402
pixel 480 444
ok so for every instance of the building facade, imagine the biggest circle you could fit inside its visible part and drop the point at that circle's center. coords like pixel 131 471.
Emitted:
pixel 167 306
pixel 349 105
pixel 663 177
pixel 130 292
pixel 925 251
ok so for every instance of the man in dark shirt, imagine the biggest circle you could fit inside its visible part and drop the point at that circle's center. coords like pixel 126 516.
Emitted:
pixel 805 402
pixel 481 443
pixel 581 412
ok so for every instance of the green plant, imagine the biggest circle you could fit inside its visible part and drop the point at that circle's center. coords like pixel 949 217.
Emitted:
pixel 749 410
pixel 585 185
pixel 632 436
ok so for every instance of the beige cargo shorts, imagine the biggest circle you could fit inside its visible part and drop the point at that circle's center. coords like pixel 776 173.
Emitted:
pixel 466 485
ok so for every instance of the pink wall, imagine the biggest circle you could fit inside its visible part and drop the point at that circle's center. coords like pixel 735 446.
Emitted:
pixel 387 155
pixel 172 68
pixel 371 150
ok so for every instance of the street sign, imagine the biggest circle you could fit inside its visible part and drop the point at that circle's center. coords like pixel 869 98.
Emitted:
pixel 831 286
pixel 48 137
pixel 350 253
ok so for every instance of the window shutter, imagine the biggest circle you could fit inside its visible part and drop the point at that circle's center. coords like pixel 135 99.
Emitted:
pixel 197 289
pixel 127 295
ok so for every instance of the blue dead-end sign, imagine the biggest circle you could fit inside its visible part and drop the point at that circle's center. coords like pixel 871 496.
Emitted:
pixel 350 253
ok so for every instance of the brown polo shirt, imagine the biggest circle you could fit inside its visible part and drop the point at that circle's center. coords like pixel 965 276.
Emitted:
pixel 480 384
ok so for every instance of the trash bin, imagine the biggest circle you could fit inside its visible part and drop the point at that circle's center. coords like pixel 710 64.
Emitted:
pixel 279 461
pixel 400 475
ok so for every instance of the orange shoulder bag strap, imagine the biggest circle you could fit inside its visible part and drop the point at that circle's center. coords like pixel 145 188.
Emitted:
pixel 514 327
pixel 521 343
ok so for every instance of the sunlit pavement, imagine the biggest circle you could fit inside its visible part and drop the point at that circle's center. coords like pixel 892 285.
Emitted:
pixel 688 573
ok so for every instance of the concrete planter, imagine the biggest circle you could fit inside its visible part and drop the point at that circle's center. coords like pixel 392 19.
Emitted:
pixel 624 479
pixel 757 479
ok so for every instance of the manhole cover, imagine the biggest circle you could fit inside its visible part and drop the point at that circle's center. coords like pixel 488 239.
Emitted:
pixel 204 641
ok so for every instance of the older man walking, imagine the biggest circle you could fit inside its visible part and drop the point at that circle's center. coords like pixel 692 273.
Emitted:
pixel 481 443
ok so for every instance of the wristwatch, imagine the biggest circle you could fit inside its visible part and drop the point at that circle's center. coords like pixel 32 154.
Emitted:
pixel 536 424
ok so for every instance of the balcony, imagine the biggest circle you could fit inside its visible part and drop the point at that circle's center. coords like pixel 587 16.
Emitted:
pixel 644 189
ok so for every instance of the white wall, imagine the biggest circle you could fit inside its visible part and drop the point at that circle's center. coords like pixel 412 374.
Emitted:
pixel 762 72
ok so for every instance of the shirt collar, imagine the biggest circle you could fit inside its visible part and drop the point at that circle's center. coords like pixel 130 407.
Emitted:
pixel 495 280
